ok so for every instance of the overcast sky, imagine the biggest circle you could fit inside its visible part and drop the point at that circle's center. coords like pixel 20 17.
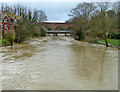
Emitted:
pixel 56 10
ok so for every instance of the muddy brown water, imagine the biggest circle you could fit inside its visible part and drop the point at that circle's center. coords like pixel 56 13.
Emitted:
pixel 59 63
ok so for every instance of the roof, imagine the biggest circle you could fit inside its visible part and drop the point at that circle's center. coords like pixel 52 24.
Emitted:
pixel 11 16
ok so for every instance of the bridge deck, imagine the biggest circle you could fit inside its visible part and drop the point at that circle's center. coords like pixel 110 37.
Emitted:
pixel 58 32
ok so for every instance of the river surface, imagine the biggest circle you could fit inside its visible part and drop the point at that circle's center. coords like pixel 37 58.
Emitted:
pixel 59 63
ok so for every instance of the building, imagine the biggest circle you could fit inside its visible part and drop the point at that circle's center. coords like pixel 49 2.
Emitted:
pixel 0 27
pixel 7 20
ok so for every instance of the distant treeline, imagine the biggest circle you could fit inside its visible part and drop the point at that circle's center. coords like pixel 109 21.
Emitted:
pixel 21 10
pixel 95 21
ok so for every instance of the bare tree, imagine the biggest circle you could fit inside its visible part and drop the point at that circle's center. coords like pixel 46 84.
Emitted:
pixel 15 9
pixel 81 15
pixel 35 16
pixel 103 21
pixel 2 7
pixel 85 9
pixel 6 7
pixel 29 14
pixel 42 16
pixel 18 9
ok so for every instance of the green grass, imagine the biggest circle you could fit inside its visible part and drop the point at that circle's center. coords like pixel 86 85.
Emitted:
pixel 0 41
pixel 4 42
pixel 100 43
pixel 115 42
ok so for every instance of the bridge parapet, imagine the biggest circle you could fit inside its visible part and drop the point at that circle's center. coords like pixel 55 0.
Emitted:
pixel 59 31
pixel 56 32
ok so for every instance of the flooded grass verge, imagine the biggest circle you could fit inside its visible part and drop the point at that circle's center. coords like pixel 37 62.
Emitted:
pixel 18 51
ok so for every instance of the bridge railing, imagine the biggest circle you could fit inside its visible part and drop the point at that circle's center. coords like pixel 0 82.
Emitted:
pixel 59 31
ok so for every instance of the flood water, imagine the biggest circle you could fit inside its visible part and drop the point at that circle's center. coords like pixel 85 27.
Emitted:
pixel 59 63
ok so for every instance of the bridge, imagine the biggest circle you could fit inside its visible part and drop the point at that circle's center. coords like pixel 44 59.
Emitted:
pixel 56 32
pixel 56 25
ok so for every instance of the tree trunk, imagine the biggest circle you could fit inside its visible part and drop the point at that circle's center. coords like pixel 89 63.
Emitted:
pixel 11 44
pixel 106 43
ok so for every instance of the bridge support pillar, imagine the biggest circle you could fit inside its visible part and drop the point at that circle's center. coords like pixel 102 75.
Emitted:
pixel 55 34
pixel 65 34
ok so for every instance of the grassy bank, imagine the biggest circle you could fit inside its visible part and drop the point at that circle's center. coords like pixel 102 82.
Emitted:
pixel 4 42
pixel 0 42
pixel 115 42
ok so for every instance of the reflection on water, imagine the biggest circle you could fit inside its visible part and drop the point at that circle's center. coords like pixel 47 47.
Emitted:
pixel 52 63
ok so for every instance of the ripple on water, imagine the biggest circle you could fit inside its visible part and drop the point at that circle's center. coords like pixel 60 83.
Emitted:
pixel 59 63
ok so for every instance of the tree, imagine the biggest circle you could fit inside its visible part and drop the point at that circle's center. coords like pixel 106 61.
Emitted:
pixel 2 7
pixel 43 31
pixel 102 6
pixel 80 17
pixel 104 25
pixel 24 29
pixel 84 9
pixel 118 14
pixel 24 13
pixel 15 9
pixel 42 16
pixel 94 19
pixel 35 17
pixel 18 9
pixel 36 31
pixel 29 15
pixel 77 30
pixel 10 36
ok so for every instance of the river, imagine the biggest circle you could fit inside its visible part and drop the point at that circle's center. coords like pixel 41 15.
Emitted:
pixel 59 63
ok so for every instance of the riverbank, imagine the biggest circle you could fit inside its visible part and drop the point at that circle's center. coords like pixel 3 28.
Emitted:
pixel 111 42
pixel 4 42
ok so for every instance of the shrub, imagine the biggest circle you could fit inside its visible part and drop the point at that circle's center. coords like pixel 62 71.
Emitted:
pixel 43 31
pixel 114 35
pixel 24 29
pixel 10 36
pixel 117 36
pixel 78 34
pixel 36 31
